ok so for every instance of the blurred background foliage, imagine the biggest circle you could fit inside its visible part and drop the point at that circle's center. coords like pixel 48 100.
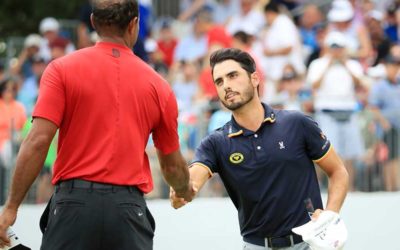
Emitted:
pixel 21 17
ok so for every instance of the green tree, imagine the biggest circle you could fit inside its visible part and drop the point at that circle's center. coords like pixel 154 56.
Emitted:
pixel 21 17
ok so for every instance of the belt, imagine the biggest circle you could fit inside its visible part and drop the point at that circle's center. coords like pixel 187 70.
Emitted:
pixel 337 111
pixel 280 241
pixel 83 184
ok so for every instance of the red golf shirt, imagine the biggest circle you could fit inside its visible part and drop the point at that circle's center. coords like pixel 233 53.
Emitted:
pixel 106 102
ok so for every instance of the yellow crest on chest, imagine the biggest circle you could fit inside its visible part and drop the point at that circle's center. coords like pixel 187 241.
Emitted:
pixel 236 158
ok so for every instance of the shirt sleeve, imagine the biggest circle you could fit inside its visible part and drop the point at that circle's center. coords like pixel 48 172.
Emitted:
pixel 290 37
pixel 317 145
pixel 314 72
pixel 355 68
pixel 206 154
pixel 165 135
pixel 51 101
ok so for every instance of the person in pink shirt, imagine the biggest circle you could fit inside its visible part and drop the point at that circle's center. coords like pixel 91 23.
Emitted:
pixel 12 116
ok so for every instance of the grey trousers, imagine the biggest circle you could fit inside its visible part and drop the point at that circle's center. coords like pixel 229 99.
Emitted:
pixel 300 246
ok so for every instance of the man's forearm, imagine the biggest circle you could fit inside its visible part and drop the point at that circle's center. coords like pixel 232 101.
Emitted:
pixel 29 163
pixel 278 52
pixel 337 190
pixel 177 176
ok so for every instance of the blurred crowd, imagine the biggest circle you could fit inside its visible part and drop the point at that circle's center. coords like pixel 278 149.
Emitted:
pixel 338 61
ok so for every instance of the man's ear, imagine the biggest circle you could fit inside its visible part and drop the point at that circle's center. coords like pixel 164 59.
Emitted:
pixel 133 24
pixel 92 21
pixel 255 79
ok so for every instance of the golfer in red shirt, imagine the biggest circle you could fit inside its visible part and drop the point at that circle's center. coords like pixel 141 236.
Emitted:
pixel 105 102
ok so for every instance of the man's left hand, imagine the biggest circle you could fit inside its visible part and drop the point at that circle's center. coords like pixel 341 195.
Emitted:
pixel 316 214
pixel 7 219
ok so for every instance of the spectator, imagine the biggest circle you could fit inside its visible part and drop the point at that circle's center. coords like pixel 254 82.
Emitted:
pixel 249 16
pixel 31 48
pixel 28 92
pixel 369 173
pixel 341 19
pixel 12 119
pixel 58 47
pixel 321 31
pixel 205 80
pixel 290 86
pixel 309 21
pixel 361 8
pixel 289 4
pixel 334 78
pixel 219 118
pixel 391 23
pixel 49 28
pixel 146 17
pixel 223 10
pixel 193 46
pixel 189 8
pixel 380 43
pixel 280 49
pixel 144 29
pixel 84 29
pixel 156 57
pixel 385 103
pixel 186 89
pixel 167 42
pixel 216 34
pixel 281 43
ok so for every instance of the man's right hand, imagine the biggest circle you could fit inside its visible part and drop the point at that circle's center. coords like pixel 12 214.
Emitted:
pixel 187 193
pixel 176 202
pixel 179 198
pixel 7 218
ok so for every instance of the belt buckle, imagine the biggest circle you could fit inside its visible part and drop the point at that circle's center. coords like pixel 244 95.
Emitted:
pixel 288 238
pixel 269 242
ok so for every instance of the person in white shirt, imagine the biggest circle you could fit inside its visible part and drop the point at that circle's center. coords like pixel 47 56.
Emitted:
pixel 334 78
pixel 342 18
pixel 193 46
pixel 281 46
pixel 249 16
pixel 50 29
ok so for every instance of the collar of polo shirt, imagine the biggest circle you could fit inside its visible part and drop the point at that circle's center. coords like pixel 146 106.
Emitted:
pixel 235 129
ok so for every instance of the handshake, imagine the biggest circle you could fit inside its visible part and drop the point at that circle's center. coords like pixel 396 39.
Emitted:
pixel 180 197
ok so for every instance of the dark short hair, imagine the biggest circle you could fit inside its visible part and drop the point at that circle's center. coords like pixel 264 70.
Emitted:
pixel 239 56
pixel 242 36
pixel 114 14
pixel 272 6
pixel 3 85
pixel 204 15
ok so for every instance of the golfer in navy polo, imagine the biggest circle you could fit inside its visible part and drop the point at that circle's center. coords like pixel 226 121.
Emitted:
pixel 265 158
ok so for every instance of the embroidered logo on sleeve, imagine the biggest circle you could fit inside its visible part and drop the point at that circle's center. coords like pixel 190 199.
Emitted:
pixel 322 135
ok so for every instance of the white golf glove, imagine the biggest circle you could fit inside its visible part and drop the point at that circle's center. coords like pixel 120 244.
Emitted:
pixel 328 232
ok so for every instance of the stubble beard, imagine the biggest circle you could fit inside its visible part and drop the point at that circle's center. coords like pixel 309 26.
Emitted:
pixel 248 95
